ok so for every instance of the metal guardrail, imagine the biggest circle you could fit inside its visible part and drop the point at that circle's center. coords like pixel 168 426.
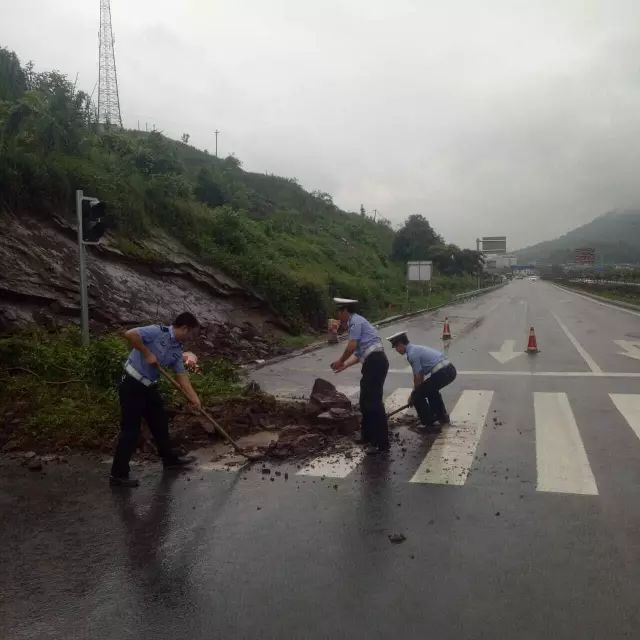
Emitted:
pixel 602 283
pixel 476 292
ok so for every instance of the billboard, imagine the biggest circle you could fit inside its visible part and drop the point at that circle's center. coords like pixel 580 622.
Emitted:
pixel 585 255
pixel 493 244
pixel 419 271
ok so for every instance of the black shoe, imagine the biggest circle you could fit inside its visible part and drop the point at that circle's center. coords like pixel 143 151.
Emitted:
pixel 444 419
pixel 129 483
pixel 431 428
pixel 373 450
pixel 178 462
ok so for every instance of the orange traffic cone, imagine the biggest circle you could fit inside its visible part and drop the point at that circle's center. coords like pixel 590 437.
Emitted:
pixel 446 331
pixel 532 347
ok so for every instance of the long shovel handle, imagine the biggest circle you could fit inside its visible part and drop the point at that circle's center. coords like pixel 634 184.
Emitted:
pixel 217 427
pixel 393 413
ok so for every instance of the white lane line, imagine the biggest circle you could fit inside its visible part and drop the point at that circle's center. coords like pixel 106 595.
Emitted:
pixel 591 363
pixel 403 370
pixel 396 399
pixel 563 466
pixel 552 374
pixel 451 455
pixel 336 465
pixel 628 404
pixel 602 304
pixel 560 374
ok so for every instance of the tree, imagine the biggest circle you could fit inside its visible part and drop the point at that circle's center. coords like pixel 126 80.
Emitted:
pixel 451 260
pixel 13 82
pixel 413 241
pixel 185 138
pixel 207 190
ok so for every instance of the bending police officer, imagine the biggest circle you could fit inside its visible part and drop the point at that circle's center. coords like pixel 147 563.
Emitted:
pixel 431 372
pixel 152 345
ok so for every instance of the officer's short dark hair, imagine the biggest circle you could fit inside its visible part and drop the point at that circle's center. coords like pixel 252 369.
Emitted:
pixel 186 319
pixel 400 340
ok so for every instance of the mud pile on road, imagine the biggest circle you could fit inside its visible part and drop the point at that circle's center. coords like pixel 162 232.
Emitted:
pixel 291 429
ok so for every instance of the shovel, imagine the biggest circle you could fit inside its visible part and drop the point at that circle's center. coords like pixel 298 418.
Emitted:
pixel 249 455
pixel 393 413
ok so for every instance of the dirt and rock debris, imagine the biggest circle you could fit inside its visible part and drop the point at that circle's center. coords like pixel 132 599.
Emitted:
pixel 277 429
pixel 39 285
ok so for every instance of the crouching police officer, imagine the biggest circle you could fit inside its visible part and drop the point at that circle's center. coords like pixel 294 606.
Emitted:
pixel 431 372
pixel 366 345
pixel 153 345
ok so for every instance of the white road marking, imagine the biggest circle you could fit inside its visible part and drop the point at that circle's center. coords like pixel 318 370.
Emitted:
pixel 507 352
pixel 628 404
pixel 551 374
pixel 451 455
pixel 591 363
pixel 629 348
pixel 336 465
pixel 563 466
pixel 602 304
pixel 404 370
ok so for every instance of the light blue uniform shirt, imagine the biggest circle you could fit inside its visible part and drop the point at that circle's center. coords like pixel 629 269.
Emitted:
pixel 164 345
pixel 363 331
pixel 423 359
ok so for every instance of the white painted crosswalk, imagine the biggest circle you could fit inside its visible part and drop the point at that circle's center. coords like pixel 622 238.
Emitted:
pixel 562 462
pixel 628 404
pixel 563 466
pixel 451 456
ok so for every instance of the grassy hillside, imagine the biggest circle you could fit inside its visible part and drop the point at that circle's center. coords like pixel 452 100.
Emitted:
pixel 295 248
pixel 615 236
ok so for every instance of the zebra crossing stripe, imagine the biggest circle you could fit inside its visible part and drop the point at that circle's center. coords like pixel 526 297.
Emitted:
pixel 335 465
pixel 628 404
pixel 451 455
pixel 563 466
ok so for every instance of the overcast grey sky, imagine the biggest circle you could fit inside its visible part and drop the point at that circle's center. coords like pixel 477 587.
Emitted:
pixel 497 117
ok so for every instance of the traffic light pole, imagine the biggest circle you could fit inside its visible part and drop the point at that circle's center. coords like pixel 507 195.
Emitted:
pixel 84 300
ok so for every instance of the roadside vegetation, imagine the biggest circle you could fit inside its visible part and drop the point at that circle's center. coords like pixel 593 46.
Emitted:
pixel 622 291
pixel 294 248
pixel 55 393
pixel 297 249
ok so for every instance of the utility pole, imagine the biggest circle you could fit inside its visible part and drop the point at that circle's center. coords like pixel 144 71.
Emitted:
pixel 91 228
pixel 84 300
pixel 108 96
pixel 216 132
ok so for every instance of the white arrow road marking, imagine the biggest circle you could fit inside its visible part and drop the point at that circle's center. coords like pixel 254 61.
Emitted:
pixel 507 352
pixel 630 349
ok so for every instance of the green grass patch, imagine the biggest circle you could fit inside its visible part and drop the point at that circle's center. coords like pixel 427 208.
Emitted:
pixel 63 394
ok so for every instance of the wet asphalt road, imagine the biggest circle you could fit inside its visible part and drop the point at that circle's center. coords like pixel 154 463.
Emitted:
pixel 239 555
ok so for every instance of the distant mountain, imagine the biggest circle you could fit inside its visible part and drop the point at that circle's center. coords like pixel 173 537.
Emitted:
pixel 615 236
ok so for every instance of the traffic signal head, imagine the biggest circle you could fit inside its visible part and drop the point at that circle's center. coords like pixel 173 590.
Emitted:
pixel 93 220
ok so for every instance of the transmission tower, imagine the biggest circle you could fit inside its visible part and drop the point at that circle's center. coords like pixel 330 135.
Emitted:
pixel 108 99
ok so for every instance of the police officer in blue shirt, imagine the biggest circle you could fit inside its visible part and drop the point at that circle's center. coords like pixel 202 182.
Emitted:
pixel 431 372
pixel 139 396
pixel 366 345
